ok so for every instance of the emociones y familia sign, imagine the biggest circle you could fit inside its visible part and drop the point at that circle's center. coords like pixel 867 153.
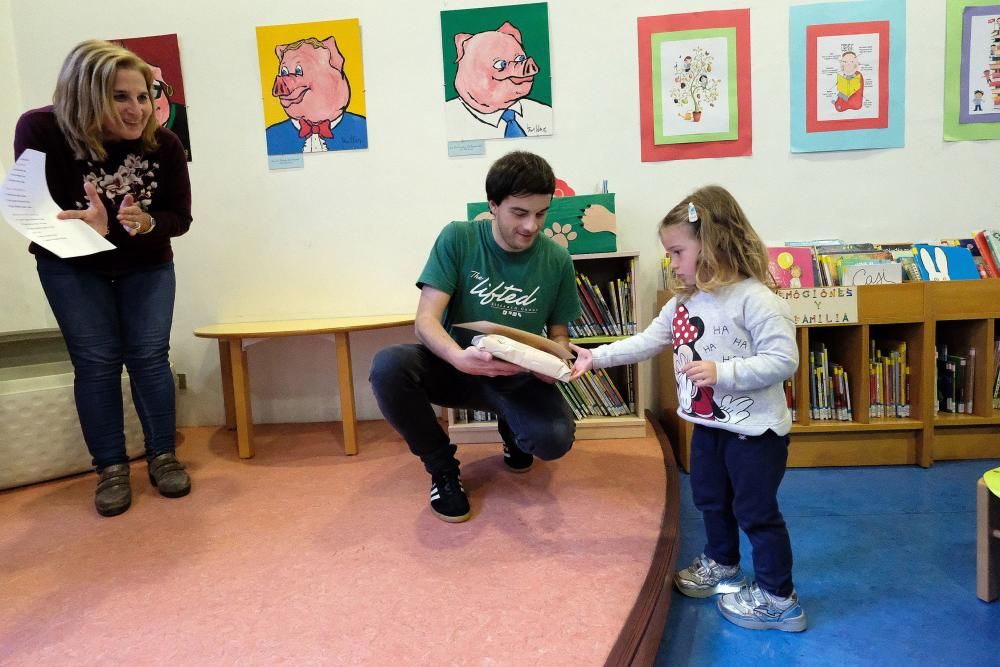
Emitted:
pixel 822 305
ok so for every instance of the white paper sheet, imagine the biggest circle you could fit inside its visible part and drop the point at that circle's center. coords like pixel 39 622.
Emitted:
pixel 27 206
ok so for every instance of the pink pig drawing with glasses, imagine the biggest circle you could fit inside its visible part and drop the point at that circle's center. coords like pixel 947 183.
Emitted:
pixel 314 91
pixel 493 81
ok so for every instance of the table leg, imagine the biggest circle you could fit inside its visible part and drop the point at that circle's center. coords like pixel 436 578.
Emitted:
pixel 241 398
pixel 987 543
pixel 227 383
pixel 347 415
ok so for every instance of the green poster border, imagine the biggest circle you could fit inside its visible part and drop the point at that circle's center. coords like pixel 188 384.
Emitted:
pixel 953 130
pixel 656 40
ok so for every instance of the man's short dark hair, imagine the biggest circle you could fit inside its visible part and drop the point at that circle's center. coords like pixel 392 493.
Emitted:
pixel 978 92
pixel 517 174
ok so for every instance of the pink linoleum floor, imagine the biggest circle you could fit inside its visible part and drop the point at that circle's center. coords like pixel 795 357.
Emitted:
pixel 303 556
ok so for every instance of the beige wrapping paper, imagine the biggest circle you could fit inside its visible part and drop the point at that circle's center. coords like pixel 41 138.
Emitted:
pixel 523 355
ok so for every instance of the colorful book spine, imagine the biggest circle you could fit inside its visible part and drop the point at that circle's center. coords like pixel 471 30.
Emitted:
pixel 970 381
pixel 986 253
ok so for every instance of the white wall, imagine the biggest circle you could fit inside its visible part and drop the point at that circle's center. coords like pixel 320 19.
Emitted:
pixel 24 304
pixel 10 101
pixel 350 232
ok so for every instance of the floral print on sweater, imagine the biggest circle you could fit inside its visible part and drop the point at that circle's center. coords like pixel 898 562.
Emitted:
pixel 130 178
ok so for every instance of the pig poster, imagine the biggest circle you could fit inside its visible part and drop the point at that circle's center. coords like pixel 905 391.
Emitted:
pixel 497 78
pixel 163 55
pixel 313 87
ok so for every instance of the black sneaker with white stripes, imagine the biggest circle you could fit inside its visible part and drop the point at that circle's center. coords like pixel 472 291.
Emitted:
pixel 516 460
pixel 448 499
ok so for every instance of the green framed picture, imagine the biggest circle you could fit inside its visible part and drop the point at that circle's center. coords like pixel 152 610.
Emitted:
pixel 694 86
pixel 972 70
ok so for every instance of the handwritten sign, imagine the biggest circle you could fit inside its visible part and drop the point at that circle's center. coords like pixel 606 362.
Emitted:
pixel 466 148
pixel 291 161
pixel 887 273
pixel 822 305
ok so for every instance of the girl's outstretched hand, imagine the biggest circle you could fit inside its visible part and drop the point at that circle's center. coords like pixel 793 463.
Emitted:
pixel 584 361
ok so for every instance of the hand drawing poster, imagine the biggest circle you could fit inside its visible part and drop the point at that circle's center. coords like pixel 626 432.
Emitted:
pixel 162 54
pixel 847 75
pixel 694 85
pixel 497 76
pixel 313 87
pixel 695 91
pixel 972 70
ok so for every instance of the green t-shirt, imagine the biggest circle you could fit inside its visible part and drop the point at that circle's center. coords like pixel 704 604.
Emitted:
pixel 525 290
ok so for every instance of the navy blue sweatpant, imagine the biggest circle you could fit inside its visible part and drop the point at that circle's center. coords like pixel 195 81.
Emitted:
pixel 734 481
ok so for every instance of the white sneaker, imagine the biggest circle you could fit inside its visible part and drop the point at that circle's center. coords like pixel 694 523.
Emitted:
pixel 754 608
pixel 705 578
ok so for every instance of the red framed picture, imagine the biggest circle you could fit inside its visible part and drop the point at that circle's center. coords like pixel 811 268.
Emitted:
pixel 694 85
pixel 847 76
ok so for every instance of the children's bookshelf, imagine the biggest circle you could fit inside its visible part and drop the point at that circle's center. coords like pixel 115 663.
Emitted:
pixel 601 269
pixel 925 316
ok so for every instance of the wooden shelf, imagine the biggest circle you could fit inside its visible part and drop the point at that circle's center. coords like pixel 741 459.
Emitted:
pixel 961 314
pixel 596 340
pixel 891 424
pixel 947 419
pixel 588 428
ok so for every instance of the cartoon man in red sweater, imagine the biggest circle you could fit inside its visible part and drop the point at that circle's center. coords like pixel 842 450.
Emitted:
pixel 850 83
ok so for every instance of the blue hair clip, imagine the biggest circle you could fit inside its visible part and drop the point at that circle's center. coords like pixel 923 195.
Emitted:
pixel 692 212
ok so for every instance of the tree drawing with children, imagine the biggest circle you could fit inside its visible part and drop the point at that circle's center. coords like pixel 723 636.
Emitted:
pixel 694 86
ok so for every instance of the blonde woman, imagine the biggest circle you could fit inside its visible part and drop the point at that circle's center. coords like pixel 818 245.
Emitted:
pixel 109 164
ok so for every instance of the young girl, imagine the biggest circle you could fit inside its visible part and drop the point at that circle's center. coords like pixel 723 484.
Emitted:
pixel 734 344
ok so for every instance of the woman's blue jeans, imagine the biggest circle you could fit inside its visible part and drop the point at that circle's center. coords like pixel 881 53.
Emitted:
pixel 110 319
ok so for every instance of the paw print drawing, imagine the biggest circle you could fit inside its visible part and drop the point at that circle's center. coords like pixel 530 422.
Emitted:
pixel 561 234
pixel 597 218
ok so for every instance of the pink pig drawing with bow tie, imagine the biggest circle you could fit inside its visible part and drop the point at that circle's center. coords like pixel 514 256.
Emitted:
pixel 314 92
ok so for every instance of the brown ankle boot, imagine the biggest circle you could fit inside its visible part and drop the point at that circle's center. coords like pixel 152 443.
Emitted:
pixel 114 490
pixel 167 474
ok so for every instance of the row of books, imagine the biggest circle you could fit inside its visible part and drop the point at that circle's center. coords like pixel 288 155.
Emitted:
pixel 832 262
pixel 888 379
pixel 468 416
pixel 829 387
pixel 954 381
pixel 606 312
pixel 594 394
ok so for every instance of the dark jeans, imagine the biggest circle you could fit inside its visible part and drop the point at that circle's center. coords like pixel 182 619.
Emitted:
pixel 110 319
pixel 734 482
pixel 407 379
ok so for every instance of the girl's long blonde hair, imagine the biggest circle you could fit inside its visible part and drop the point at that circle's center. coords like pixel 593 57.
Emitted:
pixel 84 96
pixel 730 248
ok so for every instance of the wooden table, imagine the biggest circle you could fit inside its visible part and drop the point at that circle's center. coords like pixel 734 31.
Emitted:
pixel 234 339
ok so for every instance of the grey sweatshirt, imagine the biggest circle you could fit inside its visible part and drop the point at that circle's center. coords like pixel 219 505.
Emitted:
pixel 747 331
